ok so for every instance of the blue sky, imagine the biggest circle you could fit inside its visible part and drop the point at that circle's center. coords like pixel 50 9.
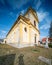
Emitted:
pixel 10 10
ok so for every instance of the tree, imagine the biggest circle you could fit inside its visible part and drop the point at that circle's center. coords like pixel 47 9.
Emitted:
pixel 50 31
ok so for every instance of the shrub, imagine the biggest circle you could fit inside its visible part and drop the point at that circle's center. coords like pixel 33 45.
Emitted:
pixel 50 45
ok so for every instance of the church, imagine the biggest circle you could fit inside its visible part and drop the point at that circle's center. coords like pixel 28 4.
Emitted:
pixel 25 31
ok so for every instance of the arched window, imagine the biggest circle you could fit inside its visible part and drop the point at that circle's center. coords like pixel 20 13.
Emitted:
pixel 25 29
pixel 35 38
pixel 34 23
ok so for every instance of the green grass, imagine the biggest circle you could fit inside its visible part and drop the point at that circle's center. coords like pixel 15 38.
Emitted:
pixel 24 56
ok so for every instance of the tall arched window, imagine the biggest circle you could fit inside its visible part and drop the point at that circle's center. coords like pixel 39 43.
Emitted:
pixel 34 23
pixel 35 39
pixel 25 29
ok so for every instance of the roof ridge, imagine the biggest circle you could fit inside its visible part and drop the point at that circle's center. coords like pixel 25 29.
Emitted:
pixel 21 16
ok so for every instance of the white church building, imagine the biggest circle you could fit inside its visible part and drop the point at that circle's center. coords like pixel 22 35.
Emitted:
pixel 25 31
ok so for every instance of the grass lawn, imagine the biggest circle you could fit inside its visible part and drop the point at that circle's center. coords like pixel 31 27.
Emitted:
pixel 24 56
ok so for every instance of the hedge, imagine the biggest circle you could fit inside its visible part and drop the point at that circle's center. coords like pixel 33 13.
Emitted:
pixel 50 45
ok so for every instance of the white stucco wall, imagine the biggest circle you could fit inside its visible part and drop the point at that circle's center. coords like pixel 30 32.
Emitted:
pixel 32 18
pixel 33 33
pixel 13 37
pixel 16 35
pixel 25 36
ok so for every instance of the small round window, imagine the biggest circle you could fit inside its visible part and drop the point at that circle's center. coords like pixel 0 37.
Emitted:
pixel 25 29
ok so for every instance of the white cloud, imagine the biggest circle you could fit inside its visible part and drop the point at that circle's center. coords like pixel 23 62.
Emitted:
pixel 42 15
pixel 3 33
pixel 2 36
pixel 22 12
pixel 45 26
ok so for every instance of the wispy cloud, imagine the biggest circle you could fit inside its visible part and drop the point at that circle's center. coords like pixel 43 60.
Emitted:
pixel 45 26
pixel 38 4
pixel 42 15
pixel 22 12
pixel 3 33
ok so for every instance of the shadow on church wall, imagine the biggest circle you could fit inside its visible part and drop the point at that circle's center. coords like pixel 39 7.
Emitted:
pixel 7 59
